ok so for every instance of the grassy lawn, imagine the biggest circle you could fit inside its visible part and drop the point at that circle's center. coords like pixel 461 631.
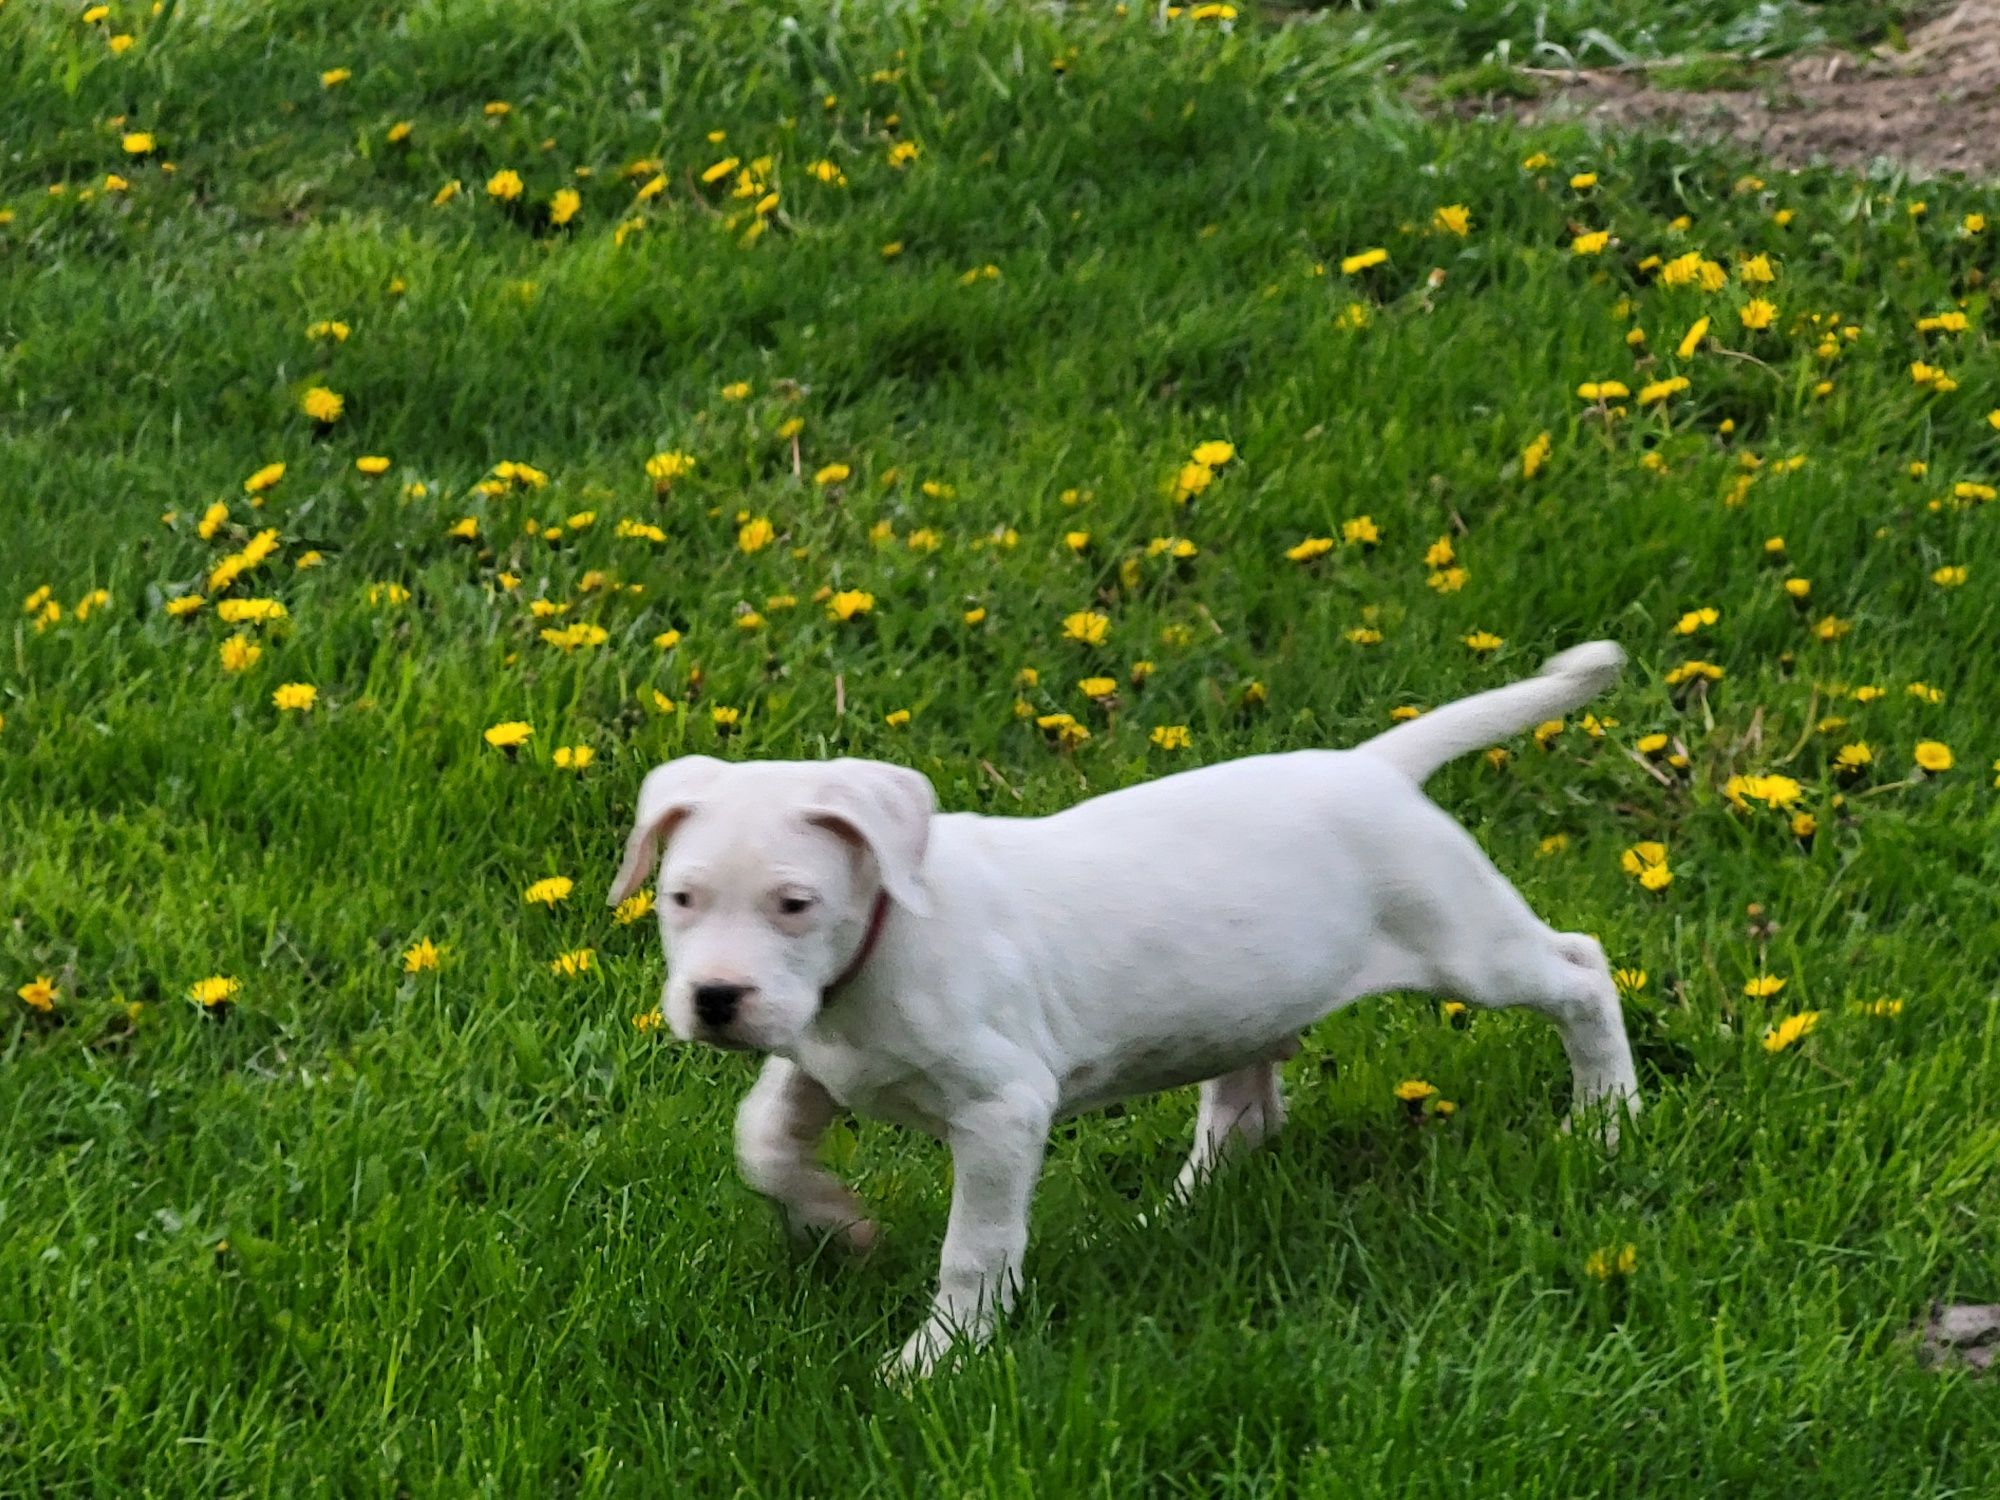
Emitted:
pixel 939 301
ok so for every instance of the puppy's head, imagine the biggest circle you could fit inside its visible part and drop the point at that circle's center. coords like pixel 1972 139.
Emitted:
pixel 768 880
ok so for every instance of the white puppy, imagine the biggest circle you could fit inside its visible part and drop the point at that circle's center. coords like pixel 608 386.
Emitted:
pixel 979 978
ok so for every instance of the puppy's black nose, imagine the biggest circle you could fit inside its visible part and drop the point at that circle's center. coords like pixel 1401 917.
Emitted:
pixel 715 1004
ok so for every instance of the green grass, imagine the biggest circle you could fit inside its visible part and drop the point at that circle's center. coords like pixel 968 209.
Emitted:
pixel 1594 33
pixel 483 1233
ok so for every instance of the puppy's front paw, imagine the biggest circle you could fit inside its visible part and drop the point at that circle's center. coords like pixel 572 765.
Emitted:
pixel 917 1359
pixel 1598 1127
pixel 857 1238
pixel 828 1213
pixel 933 1347
pixel 849 1233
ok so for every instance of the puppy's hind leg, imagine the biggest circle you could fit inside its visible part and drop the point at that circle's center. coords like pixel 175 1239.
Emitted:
pixel 1239 1111
pixel 1592 1022
pixel 1564 975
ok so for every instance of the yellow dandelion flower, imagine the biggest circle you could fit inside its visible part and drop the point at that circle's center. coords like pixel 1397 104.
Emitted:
pixel 239 653
pixel 664 468
pixel 1087 626
pixel 218 989
pixel 576 961
pixel 574 637
pixel 1771 791
pixel 40 994
pixel 1790 1030
pixel 549 892
pixel 632 908
pixel 1642 857
pixel 323 405
pixel 850 604
pixel 1191 480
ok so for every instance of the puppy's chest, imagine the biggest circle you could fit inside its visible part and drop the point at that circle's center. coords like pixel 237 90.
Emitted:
pixel 879 1087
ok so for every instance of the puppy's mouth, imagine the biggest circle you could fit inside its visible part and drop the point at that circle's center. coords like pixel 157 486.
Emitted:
pixel 724 1038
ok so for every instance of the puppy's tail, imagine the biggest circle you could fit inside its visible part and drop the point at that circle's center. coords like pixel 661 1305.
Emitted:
pixel 1567 680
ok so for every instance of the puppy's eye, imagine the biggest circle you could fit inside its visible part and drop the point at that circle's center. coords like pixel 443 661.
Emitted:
pixel 682 899
pixel 792 906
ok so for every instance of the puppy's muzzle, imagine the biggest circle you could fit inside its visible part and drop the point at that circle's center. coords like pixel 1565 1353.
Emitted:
pixel 715 1005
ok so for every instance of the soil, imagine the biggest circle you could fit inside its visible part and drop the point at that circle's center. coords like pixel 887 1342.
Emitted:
pixel 1929 107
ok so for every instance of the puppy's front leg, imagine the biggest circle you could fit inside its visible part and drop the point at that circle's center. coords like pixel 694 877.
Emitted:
pixel 996 1155
pixel 778 1127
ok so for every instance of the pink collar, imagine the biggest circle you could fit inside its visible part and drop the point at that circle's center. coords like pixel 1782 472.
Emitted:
pixel 846 976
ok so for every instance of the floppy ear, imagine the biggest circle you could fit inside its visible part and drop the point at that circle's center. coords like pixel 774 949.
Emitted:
pixel 886 811
pixel 668 794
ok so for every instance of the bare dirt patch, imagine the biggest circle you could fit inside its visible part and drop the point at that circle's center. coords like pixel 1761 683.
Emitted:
pixel 1963 1336
pixel 1932 106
